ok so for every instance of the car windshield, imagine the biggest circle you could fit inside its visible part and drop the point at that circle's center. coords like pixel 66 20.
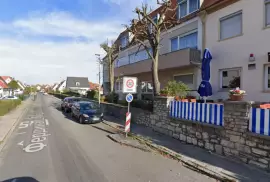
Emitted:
pixel 88 106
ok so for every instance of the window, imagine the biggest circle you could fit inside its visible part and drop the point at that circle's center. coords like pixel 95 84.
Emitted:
pixel 185 41
pixel 230 78
pixel 124 41
pixel 186 79
pixel 186 7
pixel 155 19
pixel 122 61
pixel 141 55
pixel 146 87
pixel 231 26
pixel 77 84
pixel 174 44
pixel 118 85
pixel 267 77
pixel 267 12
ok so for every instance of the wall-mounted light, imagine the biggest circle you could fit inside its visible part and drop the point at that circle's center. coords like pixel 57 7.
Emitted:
pixel 251 57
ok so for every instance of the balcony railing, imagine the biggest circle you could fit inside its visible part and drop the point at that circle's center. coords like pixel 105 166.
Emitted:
pixel 179 58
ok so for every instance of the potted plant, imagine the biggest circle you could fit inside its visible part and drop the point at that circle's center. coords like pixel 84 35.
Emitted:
pixel 237 94
pixel 177 89
pixel 163 92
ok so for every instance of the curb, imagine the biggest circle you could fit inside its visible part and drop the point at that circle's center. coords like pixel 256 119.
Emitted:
pixel 130 145
pixel 189 163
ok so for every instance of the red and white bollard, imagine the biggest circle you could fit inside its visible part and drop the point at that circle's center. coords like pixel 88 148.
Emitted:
pixel 128 119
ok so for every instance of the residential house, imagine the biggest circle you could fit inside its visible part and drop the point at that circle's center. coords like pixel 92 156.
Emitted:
pixel 237 34
pixel 62 86
pixel 180 52
pixel 95 86
pixel 106 78
pixel 3 86
pixel 78 84
pixel 7 79
pixel 54 87
pixel 21 85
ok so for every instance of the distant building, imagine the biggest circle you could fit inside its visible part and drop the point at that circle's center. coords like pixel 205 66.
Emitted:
pixel 78 84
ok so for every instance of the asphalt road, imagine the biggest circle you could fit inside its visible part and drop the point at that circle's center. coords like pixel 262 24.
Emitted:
pixel 47 146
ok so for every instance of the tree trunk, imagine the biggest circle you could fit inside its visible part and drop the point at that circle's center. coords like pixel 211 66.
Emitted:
pixel 156 83
pixel 111 75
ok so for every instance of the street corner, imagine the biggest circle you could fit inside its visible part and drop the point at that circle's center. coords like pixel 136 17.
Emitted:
pixel 129 141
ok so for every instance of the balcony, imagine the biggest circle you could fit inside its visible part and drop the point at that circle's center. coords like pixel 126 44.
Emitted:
pixel 169 60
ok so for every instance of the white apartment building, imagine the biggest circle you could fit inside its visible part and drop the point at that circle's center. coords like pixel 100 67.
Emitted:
pixel 179 53
pixel 238 36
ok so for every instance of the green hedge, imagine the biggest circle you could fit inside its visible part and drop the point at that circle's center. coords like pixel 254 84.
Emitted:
pixel 8 105
pixel 60 96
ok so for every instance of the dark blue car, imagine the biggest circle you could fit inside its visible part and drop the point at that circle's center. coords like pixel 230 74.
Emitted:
pixel 86 112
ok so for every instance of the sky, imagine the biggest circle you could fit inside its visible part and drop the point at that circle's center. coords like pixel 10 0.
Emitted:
pixel 44 41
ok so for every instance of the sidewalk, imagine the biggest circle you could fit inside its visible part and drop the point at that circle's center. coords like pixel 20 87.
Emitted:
pixel 8 121
pixel 200 157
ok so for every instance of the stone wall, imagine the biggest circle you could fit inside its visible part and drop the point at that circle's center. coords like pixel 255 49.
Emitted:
pixel 232 140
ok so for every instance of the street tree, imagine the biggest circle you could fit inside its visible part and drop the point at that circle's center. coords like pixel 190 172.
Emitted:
pixel 13 85
pixel 109 60
pixel 146 32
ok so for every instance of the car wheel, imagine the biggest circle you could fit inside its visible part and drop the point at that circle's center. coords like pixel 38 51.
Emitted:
pixel 81 120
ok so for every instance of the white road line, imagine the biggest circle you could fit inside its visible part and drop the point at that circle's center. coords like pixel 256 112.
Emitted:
pixel 46 122
pixel 21 133
pixel 21 143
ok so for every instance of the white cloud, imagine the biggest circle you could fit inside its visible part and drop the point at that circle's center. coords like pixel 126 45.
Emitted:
pixel 33 61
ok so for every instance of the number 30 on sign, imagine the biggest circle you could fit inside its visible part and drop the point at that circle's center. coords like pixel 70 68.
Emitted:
pixel 130 85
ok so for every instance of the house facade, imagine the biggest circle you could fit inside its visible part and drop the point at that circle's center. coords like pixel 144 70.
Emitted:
pixel 237 34
pixel 78 84
pixel 180 53
pixel 62 86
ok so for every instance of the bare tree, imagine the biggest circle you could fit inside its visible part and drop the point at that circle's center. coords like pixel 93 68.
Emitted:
pixel 109 60
pixel 146 33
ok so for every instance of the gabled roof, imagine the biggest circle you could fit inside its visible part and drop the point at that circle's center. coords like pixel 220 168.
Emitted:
pixel 3 84
pixel 60 84
pixel 83 82
pixel 5 77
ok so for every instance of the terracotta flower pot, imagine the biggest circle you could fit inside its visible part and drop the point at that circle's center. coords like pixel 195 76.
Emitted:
pixel 193 100
pixel 236 97
pixel 184 100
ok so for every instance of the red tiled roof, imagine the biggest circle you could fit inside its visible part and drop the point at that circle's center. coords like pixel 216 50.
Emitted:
pixel 3 84
pixel 93 86
pixel 5 77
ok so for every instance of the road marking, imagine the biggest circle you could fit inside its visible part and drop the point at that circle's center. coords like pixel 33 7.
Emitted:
pixel 21 133
pixel 32 122
pixel 34 147
pixel 46 122
pixel 21 143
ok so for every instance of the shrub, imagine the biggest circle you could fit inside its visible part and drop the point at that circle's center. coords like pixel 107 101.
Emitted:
pixel 112 98
pixel 93 94
pixel 8 105
pixel 174 88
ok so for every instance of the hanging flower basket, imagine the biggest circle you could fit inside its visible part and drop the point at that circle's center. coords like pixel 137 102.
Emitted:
pixel 236 94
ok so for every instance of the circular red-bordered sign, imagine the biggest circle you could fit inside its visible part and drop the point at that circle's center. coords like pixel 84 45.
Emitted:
pixel 130 83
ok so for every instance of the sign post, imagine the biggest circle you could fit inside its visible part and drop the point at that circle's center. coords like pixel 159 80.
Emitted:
pixel 129 87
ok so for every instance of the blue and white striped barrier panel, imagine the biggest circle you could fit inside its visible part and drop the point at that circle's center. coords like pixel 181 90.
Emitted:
pixel 259 121
pixel 205 113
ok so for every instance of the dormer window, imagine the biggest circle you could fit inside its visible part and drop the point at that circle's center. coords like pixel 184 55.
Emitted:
pixel 186 7
pixel 77 84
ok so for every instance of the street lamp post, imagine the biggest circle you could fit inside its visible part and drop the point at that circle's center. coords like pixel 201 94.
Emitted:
pixel 99 62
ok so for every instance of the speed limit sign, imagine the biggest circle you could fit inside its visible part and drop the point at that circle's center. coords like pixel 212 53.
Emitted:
pixel 129 85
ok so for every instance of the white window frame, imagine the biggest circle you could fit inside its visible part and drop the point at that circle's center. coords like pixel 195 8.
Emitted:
pixel 229 69
pixel 266 2
pixel 77 84
pixel 228 17
pixel 118 83
pixel 188 8
pixel 266 88
pixel 186 74
pixel 180 36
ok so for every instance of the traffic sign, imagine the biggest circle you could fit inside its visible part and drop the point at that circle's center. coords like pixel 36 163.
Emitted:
pixel 130 85
pixel 129 98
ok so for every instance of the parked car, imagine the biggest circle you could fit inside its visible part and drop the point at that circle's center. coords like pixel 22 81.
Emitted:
pixel 68 102
pixel 9 98
pixel 86 112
